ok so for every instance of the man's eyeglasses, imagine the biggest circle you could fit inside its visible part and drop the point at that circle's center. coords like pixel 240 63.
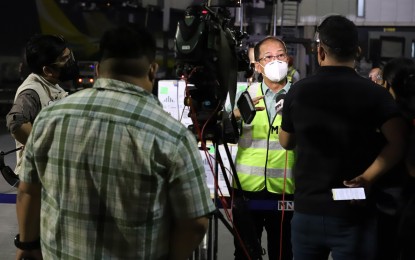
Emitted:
pixel 64 59
pixel 317 37
pixel 269 58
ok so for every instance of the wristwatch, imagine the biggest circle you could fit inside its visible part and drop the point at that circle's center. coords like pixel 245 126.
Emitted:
pixel 27 246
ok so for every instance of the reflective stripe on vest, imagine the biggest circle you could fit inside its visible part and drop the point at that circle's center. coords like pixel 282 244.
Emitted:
pixel 250 182
pixel 259 171
pixel 252 152
pixel 244 143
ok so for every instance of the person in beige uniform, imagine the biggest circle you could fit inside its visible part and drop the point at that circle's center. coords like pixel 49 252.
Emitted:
pixel 50 62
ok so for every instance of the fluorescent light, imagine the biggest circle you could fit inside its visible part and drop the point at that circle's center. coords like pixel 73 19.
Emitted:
pixel 360 8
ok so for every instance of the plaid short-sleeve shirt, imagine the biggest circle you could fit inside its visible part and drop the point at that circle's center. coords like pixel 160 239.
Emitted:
pixel 115 170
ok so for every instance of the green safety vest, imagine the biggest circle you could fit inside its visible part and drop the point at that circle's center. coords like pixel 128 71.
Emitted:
pixel 290 74
pixel 251 158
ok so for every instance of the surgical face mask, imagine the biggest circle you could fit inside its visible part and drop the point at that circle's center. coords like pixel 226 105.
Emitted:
pixel 276 70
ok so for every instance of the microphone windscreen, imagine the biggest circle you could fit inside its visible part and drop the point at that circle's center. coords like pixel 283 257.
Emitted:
pixel 279 97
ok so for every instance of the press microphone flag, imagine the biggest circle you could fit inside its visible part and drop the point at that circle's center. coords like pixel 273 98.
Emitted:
pixel 279 102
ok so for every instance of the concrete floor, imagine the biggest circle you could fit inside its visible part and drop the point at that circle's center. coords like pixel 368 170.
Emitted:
pixel 8 223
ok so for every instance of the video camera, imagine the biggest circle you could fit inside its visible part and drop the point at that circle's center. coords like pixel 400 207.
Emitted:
pixel 208 56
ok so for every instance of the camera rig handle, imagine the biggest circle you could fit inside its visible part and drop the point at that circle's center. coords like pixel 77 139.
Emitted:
pixel 8 174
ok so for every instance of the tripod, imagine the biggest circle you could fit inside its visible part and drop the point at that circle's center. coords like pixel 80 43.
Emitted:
pixel 247 240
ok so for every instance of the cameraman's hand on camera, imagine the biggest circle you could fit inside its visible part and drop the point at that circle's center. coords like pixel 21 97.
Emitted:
pixel 255 101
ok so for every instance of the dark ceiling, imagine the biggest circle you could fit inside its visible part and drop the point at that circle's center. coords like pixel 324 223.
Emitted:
pixel 19 24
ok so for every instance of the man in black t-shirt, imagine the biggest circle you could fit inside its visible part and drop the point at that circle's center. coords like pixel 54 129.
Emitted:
pixel 396 228
pixel 335 120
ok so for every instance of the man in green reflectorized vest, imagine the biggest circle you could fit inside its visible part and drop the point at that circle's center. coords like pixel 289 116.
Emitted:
pixel 263 166
pixel 292 75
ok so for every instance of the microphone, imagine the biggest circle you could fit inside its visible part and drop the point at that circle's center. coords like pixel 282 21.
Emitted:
pixel 279 103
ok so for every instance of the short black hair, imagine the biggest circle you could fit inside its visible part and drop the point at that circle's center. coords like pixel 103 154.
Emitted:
pixel 127 41
pixel 340 35
pixel 42 50
pixel 268 38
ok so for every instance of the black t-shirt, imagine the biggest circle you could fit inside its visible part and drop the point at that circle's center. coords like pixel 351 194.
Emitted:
pixel 335 115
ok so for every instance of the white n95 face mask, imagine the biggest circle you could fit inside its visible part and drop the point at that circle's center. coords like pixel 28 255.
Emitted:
pixel 276 70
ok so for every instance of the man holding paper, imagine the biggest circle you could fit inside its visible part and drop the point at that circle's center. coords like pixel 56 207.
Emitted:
pixel 347 131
